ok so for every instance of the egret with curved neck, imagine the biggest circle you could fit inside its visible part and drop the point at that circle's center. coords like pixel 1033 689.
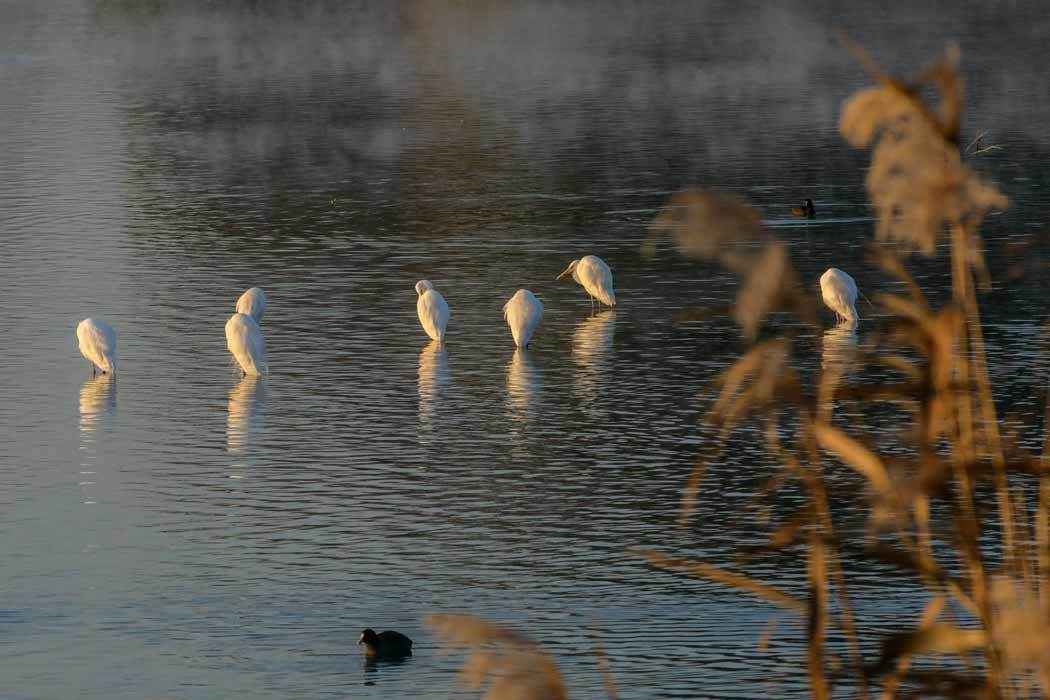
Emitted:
pixel 252 303
pixel 97 342
pixel 591 273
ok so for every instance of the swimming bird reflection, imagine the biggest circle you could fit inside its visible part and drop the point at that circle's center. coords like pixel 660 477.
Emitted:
pixel 592 343
pixel 433 377
pixel 245 412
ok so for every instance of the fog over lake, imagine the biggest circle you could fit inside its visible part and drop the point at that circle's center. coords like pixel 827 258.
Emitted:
pixel 178 531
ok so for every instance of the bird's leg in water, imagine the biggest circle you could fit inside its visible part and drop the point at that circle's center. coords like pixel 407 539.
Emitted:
pixel 243 374
pixel 92 369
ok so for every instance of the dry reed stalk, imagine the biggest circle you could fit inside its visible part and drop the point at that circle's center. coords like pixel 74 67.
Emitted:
pixel 817 617
pixel 598 652
pixel 923 193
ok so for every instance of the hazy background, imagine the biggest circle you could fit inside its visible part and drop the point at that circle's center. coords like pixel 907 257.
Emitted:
pixel 184 533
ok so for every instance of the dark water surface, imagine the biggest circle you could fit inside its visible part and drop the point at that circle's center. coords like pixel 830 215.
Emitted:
pixel 180 532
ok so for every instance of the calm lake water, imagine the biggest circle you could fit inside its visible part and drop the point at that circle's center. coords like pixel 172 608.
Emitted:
pixel 181 532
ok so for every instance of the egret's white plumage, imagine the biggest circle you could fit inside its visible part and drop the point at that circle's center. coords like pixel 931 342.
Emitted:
pixel 523 313
pixel 244 339
pixel 432 309
pixel 98 343
pixel 840 294
pixel 591 273
pixel 253 303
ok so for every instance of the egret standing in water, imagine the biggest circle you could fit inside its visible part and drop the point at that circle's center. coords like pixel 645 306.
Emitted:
pixel 432 309
pixel 98 343
pixel 591 273
pixel 523 313
pixel 840 294
pixel 244 339
pixel 253 303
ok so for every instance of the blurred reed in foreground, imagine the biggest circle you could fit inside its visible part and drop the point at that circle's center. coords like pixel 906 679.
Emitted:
pixel 507 665
pixel 985 571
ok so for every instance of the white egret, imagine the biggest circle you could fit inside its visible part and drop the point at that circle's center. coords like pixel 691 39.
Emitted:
pixel 523 313
pixel 244 339
pixel 253 303
pixel 98 343
pixel 432 309
pixel 591 273
pixel 840 294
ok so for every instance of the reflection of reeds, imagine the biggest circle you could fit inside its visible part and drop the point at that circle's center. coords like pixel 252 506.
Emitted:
pixel 935 366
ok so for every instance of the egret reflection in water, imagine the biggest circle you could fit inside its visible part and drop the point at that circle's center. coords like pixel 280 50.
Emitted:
pixel 838 347
pixel 98 404
pixel 524 383
pixel 592 344
pixel 245 412
pixel 434 375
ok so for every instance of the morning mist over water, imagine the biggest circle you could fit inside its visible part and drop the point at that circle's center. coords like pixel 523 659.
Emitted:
pixel 180 531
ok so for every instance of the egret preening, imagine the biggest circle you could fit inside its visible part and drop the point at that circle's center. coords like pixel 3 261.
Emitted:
pixel 523 313
pixel 98 343
pixel 840 294
pixel 432 309
pixel 253 303
pixel 244 339
pixel 591 273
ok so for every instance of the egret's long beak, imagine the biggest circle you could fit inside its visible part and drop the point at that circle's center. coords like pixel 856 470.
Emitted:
pixel 567 271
